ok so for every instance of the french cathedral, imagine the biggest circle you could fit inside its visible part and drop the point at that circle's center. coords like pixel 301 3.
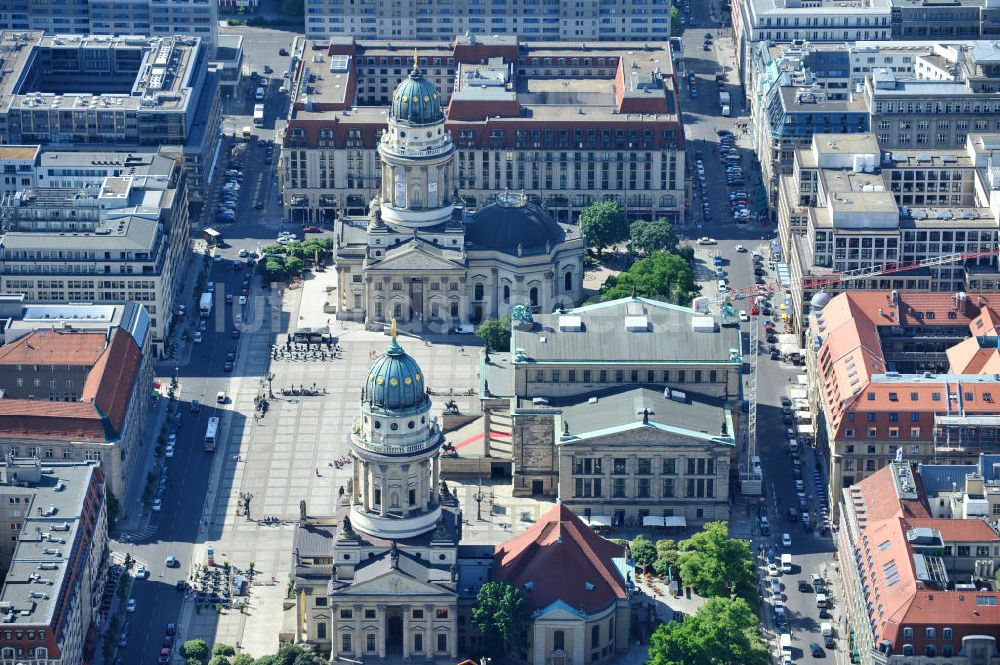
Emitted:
pixel 379 579
pixel 421 258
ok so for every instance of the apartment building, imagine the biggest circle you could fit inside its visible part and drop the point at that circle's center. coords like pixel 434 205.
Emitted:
pixel 198 18
pixel 55 559
pixel 76 379
pixel 121 93
pixel 849 206
pixel 918 587
pixel 963 491
pixel 124 239
pixel 623 427
pixel 530 20
pixel 900 373
pixel 757 21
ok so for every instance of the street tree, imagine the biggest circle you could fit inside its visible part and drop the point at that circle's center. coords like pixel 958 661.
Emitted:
pixel 724 631
pixel 717 565
pixel 667 555
pixel 495 333
pixel 195 649
pixel 501 612
pixel 661 276
pixel 643 551
pixel 603 224
pixel 651 236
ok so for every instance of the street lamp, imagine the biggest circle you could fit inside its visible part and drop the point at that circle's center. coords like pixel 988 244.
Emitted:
pixel 270 378
pixel 478 498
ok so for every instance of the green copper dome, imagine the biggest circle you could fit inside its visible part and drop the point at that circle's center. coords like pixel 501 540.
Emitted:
pixel 394 382
pixel 416 101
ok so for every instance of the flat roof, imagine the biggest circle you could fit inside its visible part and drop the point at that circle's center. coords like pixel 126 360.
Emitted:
pixel 38 567
pixel 22 152
pixel 669 337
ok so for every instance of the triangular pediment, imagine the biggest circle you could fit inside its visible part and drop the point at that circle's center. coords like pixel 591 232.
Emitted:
pixel 391 583
pixel 415 255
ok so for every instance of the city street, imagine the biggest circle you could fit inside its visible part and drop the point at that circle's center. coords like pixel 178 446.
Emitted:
pixel 292 446
pixel 810 552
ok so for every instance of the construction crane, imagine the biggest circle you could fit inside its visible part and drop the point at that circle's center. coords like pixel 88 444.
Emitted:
pixel 750 475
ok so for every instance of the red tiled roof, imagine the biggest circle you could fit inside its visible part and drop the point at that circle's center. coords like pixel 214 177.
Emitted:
pixel 54 347
pixel 559 555
pixel 958 530
pixel 109 385
pixel 899 599
pixel 98 416
pixel 852 354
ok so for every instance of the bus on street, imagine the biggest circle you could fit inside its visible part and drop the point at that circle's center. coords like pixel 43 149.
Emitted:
pixel 211 434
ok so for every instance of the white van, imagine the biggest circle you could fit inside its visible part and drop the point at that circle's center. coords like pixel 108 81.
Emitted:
pixel 821 600
pixel 260 93
pixel 786 563
pixel 826 628
pixel 221 397
pixel 786 647
pixel 793 445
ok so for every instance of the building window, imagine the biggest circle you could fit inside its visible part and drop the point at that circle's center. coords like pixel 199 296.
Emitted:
pixel 670 466
pixel 347 614
pixel 907 633
pixel 418 614
pixel 320 601
pixel 668 488
pixel 418 642
pixel 643 488
pixel 441 613
pixel 370 642
pixel 559 640
pixel 618 489
pixel 321 630
pixel 442 642
pixel 595 637
pixel 645 465
pixel 369 614
pixel 345 643
pixel 619 466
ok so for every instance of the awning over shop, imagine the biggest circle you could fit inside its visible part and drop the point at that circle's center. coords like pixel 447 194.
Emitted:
pixel 803 415
pixel 796 393
pixel 807 429
pixel 595 521
pixel 655 520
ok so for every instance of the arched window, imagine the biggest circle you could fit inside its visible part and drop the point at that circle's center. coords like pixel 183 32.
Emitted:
pixel 568 281
pixel 416 200
pixel 506 294
pixel 595 632
pixel 478 292
pixel 533 296
pixel 558 641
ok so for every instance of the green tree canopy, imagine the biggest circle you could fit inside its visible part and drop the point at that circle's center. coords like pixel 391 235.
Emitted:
pixel 220 649
pixel 661 276
pixel 676 29
pixel 294 265
pixel 495 333
pixel 667 555
pixel 242 659
pixel 723 631
pixel 717 565
pixel 650 236
pixel 603 223
pixel 643 551
pixel 196 649
pixel 501 613
pixel 219 660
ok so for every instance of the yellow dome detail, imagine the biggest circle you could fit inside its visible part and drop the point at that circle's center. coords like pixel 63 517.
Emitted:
pixel 417 377
pixel 407 380
pixel 393 381
pixel 426 98
pixel 380 381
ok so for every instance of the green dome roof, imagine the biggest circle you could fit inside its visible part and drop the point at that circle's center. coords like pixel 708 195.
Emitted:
pixel 416 101
pixel 394 382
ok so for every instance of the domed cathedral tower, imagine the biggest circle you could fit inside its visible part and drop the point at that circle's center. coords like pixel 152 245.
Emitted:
pixel 395 448
pixel 416 155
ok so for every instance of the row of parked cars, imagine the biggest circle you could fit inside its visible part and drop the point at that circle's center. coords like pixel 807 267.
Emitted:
pixel 230 194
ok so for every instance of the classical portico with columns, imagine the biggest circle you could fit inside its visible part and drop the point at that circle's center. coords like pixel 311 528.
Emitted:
pixel 379 579
pixel 422 258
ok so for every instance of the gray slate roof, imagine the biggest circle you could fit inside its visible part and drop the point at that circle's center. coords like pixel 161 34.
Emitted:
pixel 622 406
pixel 669 338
